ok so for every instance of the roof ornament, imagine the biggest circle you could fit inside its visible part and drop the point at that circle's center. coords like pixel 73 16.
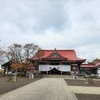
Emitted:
pixel 55 49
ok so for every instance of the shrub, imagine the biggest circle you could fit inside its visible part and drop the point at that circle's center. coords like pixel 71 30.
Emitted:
pixel 1 71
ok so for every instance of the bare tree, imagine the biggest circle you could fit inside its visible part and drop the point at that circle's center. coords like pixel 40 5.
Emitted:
pixel 17 53
pixel 14 53
pixel 94 61
pixel 30 50
pixel 1 56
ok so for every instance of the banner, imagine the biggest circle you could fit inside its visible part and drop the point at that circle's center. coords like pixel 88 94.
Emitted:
pixel 63 68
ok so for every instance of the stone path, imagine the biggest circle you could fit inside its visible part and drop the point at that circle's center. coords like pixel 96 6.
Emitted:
pixel 43 89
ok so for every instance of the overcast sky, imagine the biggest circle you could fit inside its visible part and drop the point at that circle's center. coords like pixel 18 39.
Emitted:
pixel 60 24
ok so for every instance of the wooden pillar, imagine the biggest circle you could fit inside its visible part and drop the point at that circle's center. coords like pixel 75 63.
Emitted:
pixel 78 67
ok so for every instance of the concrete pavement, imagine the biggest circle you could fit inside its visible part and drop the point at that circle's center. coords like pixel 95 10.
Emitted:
pixel 43 89
pixel 85 90
pixel 48 89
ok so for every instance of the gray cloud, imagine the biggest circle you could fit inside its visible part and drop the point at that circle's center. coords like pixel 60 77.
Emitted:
pixel 61 24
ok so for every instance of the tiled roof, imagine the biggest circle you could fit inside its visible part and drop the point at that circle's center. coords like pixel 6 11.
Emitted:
pixel 87 65
pixel 69 54
pixel 97 64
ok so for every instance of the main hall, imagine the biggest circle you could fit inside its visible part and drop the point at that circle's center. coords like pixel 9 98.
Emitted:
pixel 57 61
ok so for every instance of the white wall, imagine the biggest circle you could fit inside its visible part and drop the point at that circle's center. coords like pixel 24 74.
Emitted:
pixel 98 71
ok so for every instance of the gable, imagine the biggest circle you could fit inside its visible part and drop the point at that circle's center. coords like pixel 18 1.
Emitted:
pixel 55 55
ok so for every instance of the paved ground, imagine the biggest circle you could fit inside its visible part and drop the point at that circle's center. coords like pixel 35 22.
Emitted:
pixel 85 90
pixel 43 89
pixel 48 89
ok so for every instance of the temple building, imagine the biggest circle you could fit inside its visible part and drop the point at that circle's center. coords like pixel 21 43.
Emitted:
pixel 57 61
pixel 90 69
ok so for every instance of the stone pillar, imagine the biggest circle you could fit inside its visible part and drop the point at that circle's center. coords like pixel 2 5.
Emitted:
pixel 61 72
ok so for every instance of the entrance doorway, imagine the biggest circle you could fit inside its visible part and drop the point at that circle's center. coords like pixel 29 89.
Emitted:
pixel 54 71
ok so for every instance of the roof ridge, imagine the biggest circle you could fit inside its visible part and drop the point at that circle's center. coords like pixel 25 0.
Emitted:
pixel 58 50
